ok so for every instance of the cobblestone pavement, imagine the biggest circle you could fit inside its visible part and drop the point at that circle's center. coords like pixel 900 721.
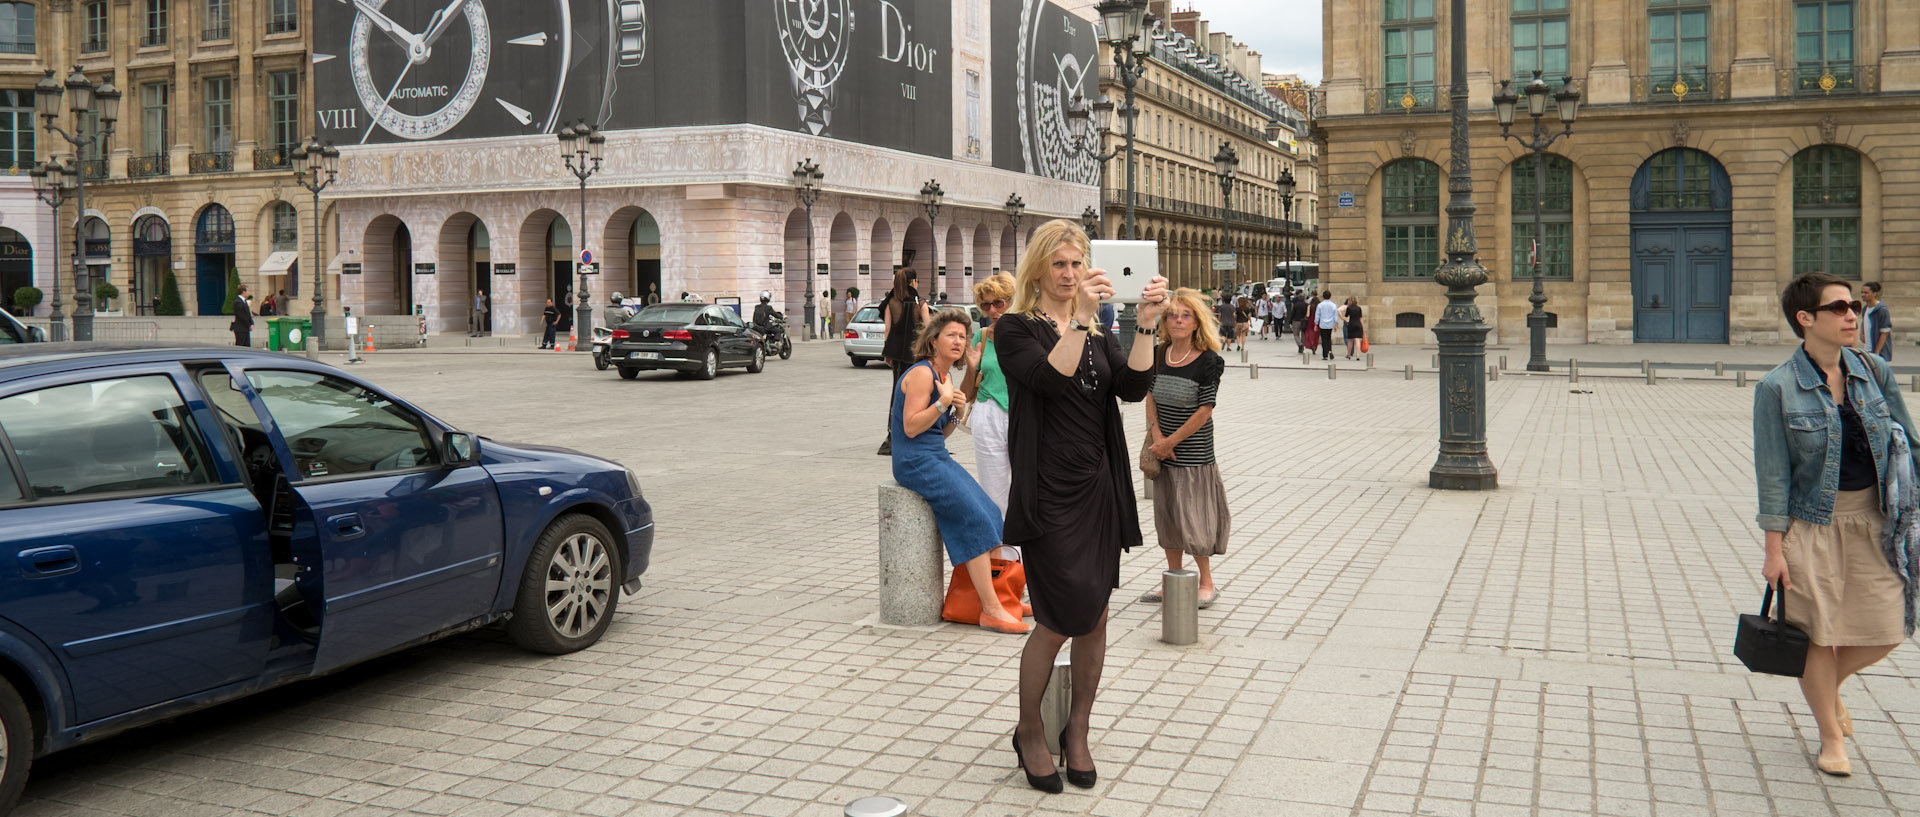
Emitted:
pixel 1558 646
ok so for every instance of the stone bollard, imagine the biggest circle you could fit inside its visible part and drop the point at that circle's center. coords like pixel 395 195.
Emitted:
pixel 1253 371
pixel 1243 354
pixel 1503 363
pixel 1645 366
pixel 1740 379
pixel 1719 368
pixel 1304 355
pixel 1180 607
pixel 1369 361
pixel 1333 372
pixel 1056 701
pixel 1573 370
pixel 313 348
pixel 1650 375
pixel 1409 371
pixel 912 562
pixel 1493 374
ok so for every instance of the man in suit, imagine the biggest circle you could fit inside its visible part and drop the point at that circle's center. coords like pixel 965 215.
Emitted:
pixel 242 319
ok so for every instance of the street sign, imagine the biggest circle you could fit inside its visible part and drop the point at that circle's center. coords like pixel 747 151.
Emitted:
pixel 586 256
pixel 1346 198
pixel 1223 261
pixel 1533 252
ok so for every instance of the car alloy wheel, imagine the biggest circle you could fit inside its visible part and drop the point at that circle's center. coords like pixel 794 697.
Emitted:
pixel 710 366
pixel 579 585
pixel 759 363
pixel 16 746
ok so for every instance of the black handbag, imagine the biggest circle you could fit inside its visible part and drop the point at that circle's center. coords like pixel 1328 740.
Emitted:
pixel 1771 645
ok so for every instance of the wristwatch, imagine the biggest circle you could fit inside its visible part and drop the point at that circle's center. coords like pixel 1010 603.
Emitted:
pixel 1074 325
pixel 815 37
pixel 1139 329
pixel 627 49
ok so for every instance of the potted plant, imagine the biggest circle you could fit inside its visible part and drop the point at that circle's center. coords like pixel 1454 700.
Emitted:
pixel 103 295
pixel 170 296
pixel 25 299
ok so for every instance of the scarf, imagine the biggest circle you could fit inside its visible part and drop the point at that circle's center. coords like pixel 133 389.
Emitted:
pixel 1900 537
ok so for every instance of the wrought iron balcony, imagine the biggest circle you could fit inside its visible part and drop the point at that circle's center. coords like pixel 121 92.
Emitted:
pixel 1168 96
pixel 272 158
pixel 141 167
pixel 283 23
pixel 1832 79
pixel 217 31
pixel 1204 213
pixel 1408 97
pixel 153 38
pixel 93 45
pixel 1683 87
pixel 218 161
pixel 93 169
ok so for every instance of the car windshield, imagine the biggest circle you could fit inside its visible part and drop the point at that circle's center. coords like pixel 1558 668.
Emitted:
pixel 869 314
pixel 10 332
pixel 669 313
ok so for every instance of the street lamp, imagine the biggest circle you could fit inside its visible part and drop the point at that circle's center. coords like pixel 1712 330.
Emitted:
pixel 315 166
pixel 1090 221
pixel 1091 124
pixel 1226 163
pixel 806 186
pixel 930 197
pixel 1286 183
pixel 1568 104
pixel 1124 23
pixel 82 98
pixel 1463 463
pixel 1015 209
pixel 582 146
pixel 54 183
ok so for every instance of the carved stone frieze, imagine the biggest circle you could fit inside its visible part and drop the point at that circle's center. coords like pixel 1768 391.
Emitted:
pixel 1409 143
pixel 1680 133
pixel 1829 130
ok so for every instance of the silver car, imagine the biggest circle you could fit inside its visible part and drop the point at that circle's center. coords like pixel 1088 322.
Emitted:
pixel 865 336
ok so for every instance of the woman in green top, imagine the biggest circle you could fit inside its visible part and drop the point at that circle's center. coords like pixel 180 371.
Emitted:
pixel 992 463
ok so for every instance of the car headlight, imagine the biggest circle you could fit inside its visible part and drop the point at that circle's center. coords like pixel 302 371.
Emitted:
pixel 633 483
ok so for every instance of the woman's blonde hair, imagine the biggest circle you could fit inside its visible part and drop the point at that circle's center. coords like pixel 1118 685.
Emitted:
pixel 997 286
pixel 1206 328
pixel 923 345
pixel 1048 239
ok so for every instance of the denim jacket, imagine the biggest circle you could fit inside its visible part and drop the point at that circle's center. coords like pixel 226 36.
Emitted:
pixel 1796 434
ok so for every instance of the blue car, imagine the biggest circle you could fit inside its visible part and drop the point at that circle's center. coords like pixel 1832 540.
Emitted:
pixel 195 524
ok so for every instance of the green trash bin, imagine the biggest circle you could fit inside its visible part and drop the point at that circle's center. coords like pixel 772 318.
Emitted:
pixel 288 334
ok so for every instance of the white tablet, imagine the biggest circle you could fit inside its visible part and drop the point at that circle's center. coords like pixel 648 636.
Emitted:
pixel 1129 265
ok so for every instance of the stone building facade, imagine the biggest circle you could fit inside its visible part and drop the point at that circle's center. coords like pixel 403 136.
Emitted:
pixel 1724 146
pixel 1195 96
pixel 195 180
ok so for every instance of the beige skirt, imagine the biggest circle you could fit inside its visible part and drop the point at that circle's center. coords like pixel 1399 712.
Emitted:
pixel 1190 510
pixel 1841 591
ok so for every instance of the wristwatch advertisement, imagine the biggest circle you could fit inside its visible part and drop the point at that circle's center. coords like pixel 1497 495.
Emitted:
pixel 815 37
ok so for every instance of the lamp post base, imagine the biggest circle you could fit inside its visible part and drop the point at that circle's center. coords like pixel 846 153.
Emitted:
pixel 1537 342
pixel 1463 464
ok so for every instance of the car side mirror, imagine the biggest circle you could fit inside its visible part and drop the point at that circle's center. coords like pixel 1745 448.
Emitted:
pixel 460 448
pixel 39 334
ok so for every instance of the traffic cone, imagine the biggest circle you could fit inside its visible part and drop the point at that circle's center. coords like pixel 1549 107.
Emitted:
pixel 571 340
pixel 369 343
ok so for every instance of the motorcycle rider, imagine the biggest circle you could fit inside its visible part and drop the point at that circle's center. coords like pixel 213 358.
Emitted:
pixel 763 313
pixel 616 312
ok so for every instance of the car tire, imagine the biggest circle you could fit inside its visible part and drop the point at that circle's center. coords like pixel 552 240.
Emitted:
pixel 16 746
pixel 759 363
pixel 709 367
pixel 569 589
pixel 858 362
pixel 628 373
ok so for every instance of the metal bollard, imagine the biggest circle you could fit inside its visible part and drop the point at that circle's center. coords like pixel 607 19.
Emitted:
pixel 1493 374
pixel 1650 375
pixel 313 348
pixel 1243 354
pixel 1573 370
pixel 1740 379
pixel 913 573
pixel 1253 371
pixel 1719 368
pixel 1180 607
pixel 1057 699
pixel 1503 363
pixel 1645 365
pixel 1409 371
pixel 1333 372
pixel 1369 361
pixel 1304 355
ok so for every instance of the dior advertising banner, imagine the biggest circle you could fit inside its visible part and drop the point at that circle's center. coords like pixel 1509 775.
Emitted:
pixel 1041 55
pixel 876 72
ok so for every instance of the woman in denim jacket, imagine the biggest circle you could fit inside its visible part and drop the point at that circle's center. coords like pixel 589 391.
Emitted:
pixel 1822 432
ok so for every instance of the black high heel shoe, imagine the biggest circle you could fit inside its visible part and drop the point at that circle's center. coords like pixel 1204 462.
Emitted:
pixel 1049 784
pixel 1078 778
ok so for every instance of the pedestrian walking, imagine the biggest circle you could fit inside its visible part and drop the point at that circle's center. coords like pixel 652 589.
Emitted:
pixel 1263 316
pixel 1326 317
pixel 1833 457
pixel 550 318
pixel 1242 321
pixel 921 417
pixel 1356 329
pixel 988 419
pixel 902 313
pixel 1879 321
pixel 851 306
pixel 1071 508
pixel 1297 317
pixel 824 309
pixel 1189 500
pixel 1224 313
pixel 242 324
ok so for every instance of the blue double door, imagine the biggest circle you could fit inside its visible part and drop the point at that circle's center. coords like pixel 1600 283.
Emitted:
pixel 1682 279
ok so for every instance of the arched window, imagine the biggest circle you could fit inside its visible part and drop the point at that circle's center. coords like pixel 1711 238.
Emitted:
pixel 1680 179
pixel 286 227
pixel 1410 218
pixel 1826 211
pixel 1556 216
pixel 215 229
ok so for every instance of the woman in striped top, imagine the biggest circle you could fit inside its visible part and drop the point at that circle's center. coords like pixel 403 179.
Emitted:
pixel 1189 501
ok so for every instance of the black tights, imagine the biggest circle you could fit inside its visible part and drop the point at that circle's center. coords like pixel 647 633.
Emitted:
pixel 1036 665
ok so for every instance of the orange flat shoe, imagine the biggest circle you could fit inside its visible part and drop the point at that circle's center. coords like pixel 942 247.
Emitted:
pixel 1003 625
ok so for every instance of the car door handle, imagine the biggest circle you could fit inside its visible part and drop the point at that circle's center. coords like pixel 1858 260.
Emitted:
pixel 43 563
pixel 346 525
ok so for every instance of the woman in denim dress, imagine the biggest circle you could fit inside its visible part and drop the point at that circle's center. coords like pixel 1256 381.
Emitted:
pixel 1822 432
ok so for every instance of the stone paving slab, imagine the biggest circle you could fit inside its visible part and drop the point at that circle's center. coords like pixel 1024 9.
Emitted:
pixel 1558 646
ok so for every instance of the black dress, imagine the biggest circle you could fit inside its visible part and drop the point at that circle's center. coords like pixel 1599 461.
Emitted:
pixel 1071 508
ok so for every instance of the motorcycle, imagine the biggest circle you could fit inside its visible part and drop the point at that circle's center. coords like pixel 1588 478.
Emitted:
pixel 774 338
pixel 602 347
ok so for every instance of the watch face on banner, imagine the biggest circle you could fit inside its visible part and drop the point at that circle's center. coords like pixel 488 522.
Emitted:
pixel 1053 54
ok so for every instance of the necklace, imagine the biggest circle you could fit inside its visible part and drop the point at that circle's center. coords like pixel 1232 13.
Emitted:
pixel 1191 353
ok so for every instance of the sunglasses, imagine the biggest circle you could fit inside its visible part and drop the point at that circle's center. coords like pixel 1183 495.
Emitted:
pixel 999 304
pixel 1840 307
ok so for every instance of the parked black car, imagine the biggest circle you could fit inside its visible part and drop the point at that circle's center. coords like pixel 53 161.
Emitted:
pixel 13 331
pixel 696 339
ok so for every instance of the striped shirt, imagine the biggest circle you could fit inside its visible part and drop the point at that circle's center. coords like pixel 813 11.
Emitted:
pixel 1179 392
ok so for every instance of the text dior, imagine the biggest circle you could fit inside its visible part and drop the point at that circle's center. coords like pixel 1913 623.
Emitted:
pixel 896 44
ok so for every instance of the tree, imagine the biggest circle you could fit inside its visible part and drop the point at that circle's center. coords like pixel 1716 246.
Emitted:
pixel 233 291
pixel 104 292
pixel 170 296
pixel 853 292
pixel 25 299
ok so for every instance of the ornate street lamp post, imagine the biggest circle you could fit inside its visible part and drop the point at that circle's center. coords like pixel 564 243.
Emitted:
pixel 1125 25
pixel 1015 210
pixel 1226 164
pixel 806 186
pixel 82 96
pixel 1096 117
pixel 1568 105
pixel 1463 463
pixel 1287 185
pixel 54 183
pixel 582 146
pixel 1090 222
pixel 315 166
pixel 930 197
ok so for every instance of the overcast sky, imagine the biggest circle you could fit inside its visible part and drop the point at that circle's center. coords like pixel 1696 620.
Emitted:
pixel 1285 32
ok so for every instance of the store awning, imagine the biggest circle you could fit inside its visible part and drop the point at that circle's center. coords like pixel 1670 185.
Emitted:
pixel 279 262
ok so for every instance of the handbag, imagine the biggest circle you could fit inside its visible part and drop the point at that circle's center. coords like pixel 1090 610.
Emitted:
pixel 1771 645
pixel 1149 464
pixel 963 604
pixel 1364 346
